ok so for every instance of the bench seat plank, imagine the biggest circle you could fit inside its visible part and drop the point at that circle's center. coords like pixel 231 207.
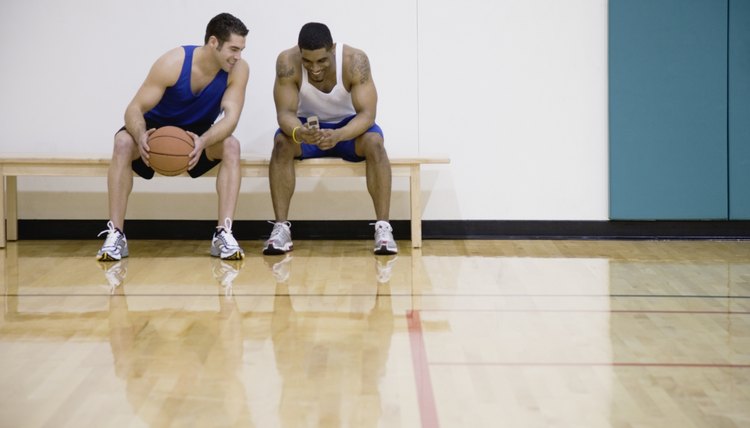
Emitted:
pixel 15 166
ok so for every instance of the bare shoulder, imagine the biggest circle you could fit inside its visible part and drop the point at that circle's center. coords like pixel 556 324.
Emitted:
pixel 356 65
pixel 172 58
pixel 240 72
pixel 288 64
pixel 167 67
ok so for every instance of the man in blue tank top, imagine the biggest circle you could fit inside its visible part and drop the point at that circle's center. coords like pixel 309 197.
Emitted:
pixel 317 78
pixel 188 87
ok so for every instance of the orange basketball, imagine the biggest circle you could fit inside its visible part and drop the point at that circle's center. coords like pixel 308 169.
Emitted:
pixel 170 147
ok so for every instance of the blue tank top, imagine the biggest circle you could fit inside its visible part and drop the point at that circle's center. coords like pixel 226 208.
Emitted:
pixel 180 107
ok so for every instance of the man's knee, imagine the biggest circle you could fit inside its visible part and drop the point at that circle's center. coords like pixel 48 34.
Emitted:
pixel 372 145
pixel 231 148
pixel 228 150
pixel 125 147
pixel 283 147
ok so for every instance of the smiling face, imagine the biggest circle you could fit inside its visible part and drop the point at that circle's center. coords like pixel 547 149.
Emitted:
pixel 228 53
pixel 318 62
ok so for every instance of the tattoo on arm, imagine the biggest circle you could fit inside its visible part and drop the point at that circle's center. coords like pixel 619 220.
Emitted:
pixel 284 70
pixel 361 67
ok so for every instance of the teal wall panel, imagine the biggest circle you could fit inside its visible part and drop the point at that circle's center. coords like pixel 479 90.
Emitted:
pixel 739 109
pixel 668 109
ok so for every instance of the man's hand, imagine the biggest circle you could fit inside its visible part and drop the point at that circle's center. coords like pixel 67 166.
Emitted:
pixel 143 145
pixel 308 135
pixel 327 138
pixel 195 155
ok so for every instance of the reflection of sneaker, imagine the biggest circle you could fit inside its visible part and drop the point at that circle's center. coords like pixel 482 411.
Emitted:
pixel 225 272
pixel 384 268
pixel 115 245
pixel 280 240
pixel 224 245
pixel 384 243
pixel 281 269
pixel 115 273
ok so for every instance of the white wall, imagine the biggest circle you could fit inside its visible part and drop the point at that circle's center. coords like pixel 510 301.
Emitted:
pixel 513 91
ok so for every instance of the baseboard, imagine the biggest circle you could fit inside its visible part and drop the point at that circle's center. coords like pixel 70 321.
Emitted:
pixel 431 229
pixel 550 229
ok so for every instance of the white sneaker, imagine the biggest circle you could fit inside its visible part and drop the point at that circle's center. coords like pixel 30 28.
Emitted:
pixel 224 245
pixel 384 243
pixel 115 245
pixel 280 241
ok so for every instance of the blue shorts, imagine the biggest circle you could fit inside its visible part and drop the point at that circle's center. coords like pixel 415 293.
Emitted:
pixel 342 149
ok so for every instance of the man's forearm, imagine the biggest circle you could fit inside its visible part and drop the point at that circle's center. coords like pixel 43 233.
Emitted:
pixel 356 127
pixel 220 131
pixel 135 123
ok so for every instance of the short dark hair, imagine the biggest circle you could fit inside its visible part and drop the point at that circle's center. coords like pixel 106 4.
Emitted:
pixel 313 36
pixel 222 26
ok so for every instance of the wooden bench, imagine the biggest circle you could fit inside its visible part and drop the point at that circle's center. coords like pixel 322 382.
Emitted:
pixel 13 167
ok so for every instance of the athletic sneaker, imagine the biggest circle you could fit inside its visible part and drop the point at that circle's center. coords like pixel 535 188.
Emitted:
pixel 115 245
pixel 384 243
pixel 280 240
pixel 224 245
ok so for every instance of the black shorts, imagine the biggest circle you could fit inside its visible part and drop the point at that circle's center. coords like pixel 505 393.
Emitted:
pixel 204 163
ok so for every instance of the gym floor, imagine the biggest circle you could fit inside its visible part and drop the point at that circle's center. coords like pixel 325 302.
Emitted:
pixel 456 334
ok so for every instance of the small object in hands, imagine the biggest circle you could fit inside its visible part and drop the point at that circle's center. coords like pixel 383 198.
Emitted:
pixel 169 147
pixel 313 123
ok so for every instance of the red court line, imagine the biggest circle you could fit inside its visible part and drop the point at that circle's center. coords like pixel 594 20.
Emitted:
pixel 591 364
pixel 425 393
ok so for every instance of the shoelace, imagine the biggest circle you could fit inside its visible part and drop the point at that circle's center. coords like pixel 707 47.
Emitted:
pixel 111 240
pixel 382 225
pixel 227 238
pixel 279 229
pixel 227 225
pixel 381 230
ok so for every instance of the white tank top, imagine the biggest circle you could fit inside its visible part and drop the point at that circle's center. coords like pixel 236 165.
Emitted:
pixel 332 107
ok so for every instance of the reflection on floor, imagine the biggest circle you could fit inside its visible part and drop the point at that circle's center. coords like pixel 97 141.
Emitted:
pixel 457 334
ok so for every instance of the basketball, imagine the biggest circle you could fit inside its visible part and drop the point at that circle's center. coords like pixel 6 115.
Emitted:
pixel 170 147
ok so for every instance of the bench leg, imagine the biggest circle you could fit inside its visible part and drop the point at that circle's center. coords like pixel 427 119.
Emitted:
pixel 12 207
pixel 415 188
pixel 9 267
pixel 2 211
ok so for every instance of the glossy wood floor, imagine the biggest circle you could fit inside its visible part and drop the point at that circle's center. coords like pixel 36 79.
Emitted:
pixel 458 334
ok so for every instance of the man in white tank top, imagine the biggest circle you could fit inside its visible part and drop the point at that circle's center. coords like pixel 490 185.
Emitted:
pixel 333 83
